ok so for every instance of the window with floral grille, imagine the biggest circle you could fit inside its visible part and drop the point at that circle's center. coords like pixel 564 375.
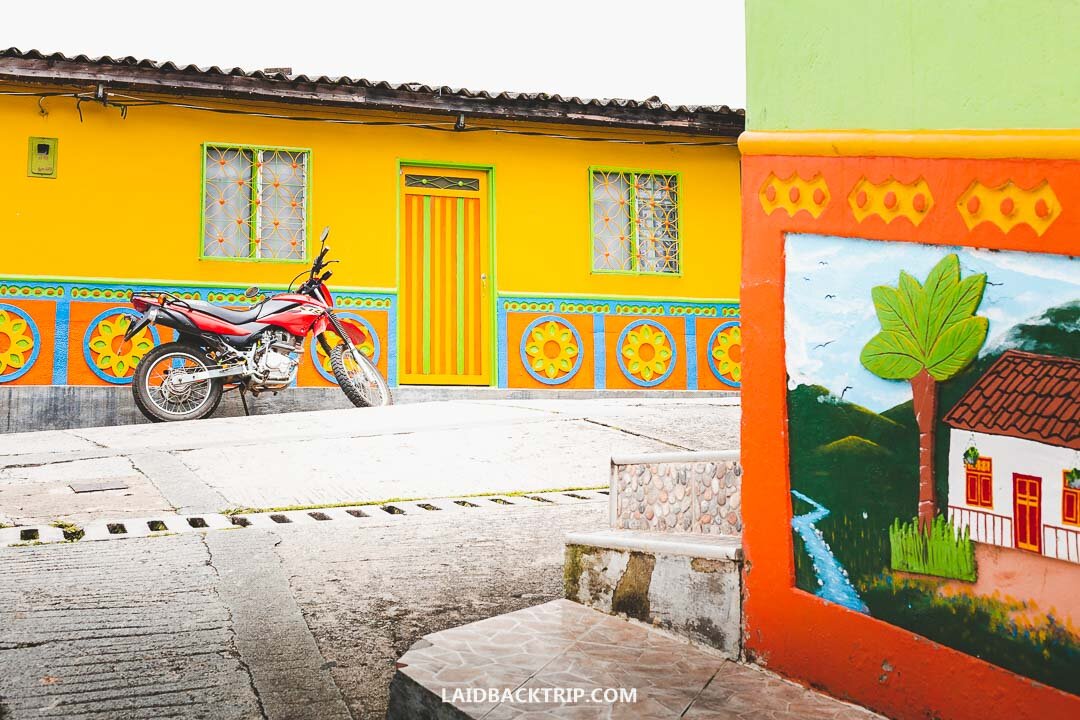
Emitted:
pixel 635 221
pixel 255 203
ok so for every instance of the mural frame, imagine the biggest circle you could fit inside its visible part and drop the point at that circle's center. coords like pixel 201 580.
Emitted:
pixel 814 176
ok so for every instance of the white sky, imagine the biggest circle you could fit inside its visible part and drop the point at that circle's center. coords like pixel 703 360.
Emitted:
pixel 685 51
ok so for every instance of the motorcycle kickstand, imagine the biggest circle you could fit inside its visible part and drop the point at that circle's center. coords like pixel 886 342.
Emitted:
pixel 243 401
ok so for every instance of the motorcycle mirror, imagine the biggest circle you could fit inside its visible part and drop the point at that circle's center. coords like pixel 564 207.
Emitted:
pixel 251 292
pixel 325 234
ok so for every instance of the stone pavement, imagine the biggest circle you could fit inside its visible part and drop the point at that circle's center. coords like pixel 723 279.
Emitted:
pixel 413 451
pixel 531 656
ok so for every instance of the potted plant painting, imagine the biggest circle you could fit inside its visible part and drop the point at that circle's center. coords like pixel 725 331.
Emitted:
pixel 1072 478
pixel 971 456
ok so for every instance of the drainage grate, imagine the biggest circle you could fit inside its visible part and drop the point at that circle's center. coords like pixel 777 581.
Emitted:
pixel 172 524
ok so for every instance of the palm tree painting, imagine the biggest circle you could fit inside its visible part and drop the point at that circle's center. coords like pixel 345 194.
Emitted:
pixel 929 333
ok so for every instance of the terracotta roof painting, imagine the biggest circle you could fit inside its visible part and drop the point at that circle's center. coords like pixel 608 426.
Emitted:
pixel 1024 395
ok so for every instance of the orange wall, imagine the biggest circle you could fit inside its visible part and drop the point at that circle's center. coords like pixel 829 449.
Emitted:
pixel 848 654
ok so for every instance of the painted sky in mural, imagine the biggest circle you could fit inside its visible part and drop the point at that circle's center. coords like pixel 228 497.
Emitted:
pixel 830 316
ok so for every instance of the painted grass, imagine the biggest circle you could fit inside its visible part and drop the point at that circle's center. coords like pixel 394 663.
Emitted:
pixel 943 551
pixel 361 503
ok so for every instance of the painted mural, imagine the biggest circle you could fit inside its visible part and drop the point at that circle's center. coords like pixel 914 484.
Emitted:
pixel 71 333
pixel 934 418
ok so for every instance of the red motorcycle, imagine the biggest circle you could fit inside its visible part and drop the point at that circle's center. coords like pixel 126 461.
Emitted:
pixel 253 350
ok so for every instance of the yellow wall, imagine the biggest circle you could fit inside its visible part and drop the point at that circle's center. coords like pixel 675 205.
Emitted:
pixel 127 200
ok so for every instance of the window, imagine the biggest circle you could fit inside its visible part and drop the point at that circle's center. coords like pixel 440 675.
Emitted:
pixel 1070 501
pixel 635 222
pixel 255 203
pixel 980 482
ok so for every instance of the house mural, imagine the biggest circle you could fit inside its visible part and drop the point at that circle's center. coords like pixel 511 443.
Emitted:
pixel 1013 450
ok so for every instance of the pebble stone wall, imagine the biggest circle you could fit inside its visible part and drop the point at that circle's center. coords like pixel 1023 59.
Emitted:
pixel 691 497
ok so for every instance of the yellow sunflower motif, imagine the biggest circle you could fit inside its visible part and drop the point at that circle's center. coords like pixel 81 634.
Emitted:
pixel 16 342
pixel 367 346
pixel 727 353
pixel 647 352
pixel 552 348
pixel 109 351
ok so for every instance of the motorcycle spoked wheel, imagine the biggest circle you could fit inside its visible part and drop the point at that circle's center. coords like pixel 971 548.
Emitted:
pixel 160 401
pixel 358 377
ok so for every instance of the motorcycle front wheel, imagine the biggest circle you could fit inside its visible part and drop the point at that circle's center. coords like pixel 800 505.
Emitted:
pixel 163 400
pixel 359 378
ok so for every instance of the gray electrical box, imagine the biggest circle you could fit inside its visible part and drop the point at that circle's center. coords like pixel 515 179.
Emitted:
pixel 42 157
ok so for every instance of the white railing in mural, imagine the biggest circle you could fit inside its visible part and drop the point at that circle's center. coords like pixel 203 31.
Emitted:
pixel 985 527
pixel 1061 543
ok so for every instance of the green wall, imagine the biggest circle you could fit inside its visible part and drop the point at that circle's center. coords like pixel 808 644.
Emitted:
pixel 912 64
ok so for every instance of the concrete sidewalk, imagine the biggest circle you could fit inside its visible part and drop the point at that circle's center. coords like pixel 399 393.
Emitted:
pixel 412 451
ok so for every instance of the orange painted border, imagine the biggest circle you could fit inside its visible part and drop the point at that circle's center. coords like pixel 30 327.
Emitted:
pixel 850 655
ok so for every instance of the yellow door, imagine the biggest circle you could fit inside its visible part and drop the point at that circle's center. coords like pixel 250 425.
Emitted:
pixel 445 263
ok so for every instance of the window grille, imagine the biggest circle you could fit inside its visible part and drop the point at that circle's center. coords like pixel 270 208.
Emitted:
pixel 635 222
pixel 255 203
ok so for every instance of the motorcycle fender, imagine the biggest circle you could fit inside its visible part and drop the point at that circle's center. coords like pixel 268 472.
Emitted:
pixel 147 318
pixel 321 325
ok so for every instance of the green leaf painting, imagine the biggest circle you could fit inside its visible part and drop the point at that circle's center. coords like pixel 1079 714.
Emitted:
pixel 928 325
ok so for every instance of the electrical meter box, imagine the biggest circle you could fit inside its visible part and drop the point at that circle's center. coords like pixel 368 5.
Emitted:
pixel 42 157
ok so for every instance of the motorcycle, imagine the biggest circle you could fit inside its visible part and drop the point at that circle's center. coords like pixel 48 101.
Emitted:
pixel 254 350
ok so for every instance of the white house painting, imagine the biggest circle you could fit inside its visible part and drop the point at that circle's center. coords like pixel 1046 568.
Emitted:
pixel 1014 438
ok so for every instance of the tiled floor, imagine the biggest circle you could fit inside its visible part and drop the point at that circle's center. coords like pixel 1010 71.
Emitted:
pixel 564 645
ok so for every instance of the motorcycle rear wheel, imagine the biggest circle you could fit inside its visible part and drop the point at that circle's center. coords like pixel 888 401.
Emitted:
pixel 159 401
pixel 358 377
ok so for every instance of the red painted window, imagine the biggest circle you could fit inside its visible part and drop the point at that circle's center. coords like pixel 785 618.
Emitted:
pixel 1070 503
pixel 980 483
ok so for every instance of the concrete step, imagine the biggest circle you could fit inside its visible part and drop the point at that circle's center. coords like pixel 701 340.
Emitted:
pixel 564 660
pixel 687 583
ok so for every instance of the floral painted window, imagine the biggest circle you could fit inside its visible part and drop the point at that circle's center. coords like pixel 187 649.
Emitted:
pixel 255 203
pixel 635 222
pixel 980 482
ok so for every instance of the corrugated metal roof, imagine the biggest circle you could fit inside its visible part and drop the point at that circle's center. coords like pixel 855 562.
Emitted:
pixel 652 107
pixel 1024 395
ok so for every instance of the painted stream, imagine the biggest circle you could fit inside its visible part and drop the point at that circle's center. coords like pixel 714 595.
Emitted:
pixel 831 576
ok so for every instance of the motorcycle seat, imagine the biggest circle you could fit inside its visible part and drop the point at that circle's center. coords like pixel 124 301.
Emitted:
pixel 235 317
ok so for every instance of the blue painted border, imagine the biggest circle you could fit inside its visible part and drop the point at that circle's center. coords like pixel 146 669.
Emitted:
pixel 313 346
pixel 712 365
pixel 599 352
pixel 525 358
pixel 690 335
pixel 622 363
pixel 92 325
pixel 35 334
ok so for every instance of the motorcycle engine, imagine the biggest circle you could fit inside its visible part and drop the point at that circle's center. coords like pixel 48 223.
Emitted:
pixel 276 360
